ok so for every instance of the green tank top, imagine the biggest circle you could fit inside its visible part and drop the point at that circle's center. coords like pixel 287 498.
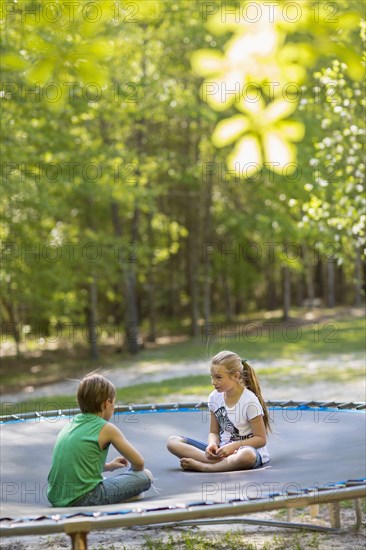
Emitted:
pixel 78 461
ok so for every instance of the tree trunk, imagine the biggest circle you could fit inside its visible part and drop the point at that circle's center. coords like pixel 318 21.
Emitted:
pixel 92 319
pixel 330 283
pixel 14 326
pixel 151 283
pixel 193 283
pixel 309 278
pixel 272 303
pixel 92 307
pixel 206 258
pixel 286 292
pixel 358 278
pixel 129 285
pixel 194 225
pixel 229 310
pixel 299 290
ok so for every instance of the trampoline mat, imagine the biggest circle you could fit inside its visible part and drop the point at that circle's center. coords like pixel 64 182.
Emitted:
pixel 308 448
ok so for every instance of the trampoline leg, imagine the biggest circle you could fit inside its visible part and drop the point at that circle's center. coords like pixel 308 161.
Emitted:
pixel 357 505
pixel 79 541
pixel 335 515
pixel 314 510
pixel 78 532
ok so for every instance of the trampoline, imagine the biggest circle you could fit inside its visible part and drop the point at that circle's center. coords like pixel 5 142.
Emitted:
pixel 317 455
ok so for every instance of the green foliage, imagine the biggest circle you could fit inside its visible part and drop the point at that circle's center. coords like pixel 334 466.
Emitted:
pixel 112 183
pixel 260 72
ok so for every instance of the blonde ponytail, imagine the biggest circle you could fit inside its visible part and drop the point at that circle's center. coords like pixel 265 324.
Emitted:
pixel 251 381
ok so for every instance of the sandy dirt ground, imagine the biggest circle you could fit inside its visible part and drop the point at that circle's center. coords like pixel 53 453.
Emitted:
pixel 245 536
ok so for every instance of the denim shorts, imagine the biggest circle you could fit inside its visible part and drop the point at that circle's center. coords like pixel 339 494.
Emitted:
pixel 116 489
pixel 202 446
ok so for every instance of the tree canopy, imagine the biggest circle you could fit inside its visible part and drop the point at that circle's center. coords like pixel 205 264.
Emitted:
pixel 166 164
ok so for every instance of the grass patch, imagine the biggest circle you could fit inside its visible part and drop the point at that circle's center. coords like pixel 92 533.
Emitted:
pixel 230 540
pixel 166 391
pixel 348 504
pixel 296 340
pixel 141 393
pixel 199 541
pixel 303 376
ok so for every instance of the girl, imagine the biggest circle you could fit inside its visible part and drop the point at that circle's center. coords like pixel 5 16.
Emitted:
pixel 239 422
pixel 80 453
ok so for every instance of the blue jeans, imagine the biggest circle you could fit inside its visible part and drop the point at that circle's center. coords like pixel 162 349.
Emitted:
pixel 116 489
pixel 202 446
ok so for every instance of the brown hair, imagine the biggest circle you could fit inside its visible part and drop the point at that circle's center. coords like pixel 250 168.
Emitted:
pixel 93 390
pixel 233 363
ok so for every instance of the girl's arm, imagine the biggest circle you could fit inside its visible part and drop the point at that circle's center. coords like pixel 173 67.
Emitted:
pixel 257 440
pixel 213 437
pixel 111 434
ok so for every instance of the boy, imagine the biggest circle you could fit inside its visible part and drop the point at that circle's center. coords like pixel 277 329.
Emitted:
pixel 81 449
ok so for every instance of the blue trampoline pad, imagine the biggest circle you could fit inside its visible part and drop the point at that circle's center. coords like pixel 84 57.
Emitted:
pixel 309 448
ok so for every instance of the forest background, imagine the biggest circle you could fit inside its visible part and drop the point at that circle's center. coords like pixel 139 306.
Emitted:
pixel 173 167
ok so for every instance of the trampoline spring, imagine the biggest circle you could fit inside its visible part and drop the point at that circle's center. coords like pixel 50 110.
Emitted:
pixel 355 482
pixel 16 417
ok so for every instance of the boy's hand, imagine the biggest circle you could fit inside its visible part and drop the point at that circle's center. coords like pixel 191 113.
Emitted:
pixel 118 462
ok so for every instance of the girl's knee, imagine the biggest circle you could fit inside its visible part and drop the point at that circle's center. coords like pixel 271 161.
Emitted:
pixel 247 457
pixel 173 440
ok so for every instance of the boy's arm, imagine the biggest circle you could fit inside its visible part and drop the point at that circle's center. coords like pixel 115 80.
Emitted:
pixel 118 462
pixel 111 434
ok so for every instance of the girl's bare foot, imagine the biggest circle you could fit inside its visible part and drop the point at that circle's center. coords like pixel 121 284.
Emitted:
pixel 192 464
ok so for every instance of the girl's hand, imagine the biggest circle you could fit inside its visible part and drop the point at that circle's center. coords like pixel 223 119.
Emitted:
pixel 211 450
pixel 118 462
pixel 226 450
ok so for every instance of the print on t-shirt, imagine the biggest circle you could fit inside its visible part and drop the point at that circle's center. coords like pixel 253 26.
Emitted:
pixel 225 423
pixel 227 426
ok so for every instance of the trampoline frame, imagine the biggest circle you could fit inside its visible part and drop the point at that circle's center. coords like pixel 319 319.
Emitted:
pixel 77 525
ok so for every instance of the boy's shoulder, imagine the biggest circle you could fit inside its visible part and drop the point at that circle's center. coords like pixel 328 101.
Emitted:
pixel 84 418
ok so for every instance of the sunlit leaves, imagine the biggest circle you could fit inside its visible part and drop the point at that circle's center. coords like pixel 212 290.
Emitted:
pixel 269 132
pixel 207 62
pixel 13 61
pixel 338 162
pixel 228 130
pixel 60 43
pixel 279 152
pixel 246 156
pixel 268 50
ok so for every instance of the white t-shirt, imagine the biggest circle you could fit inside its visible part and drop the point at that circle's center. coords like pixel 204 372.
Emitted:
pixel 234 421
